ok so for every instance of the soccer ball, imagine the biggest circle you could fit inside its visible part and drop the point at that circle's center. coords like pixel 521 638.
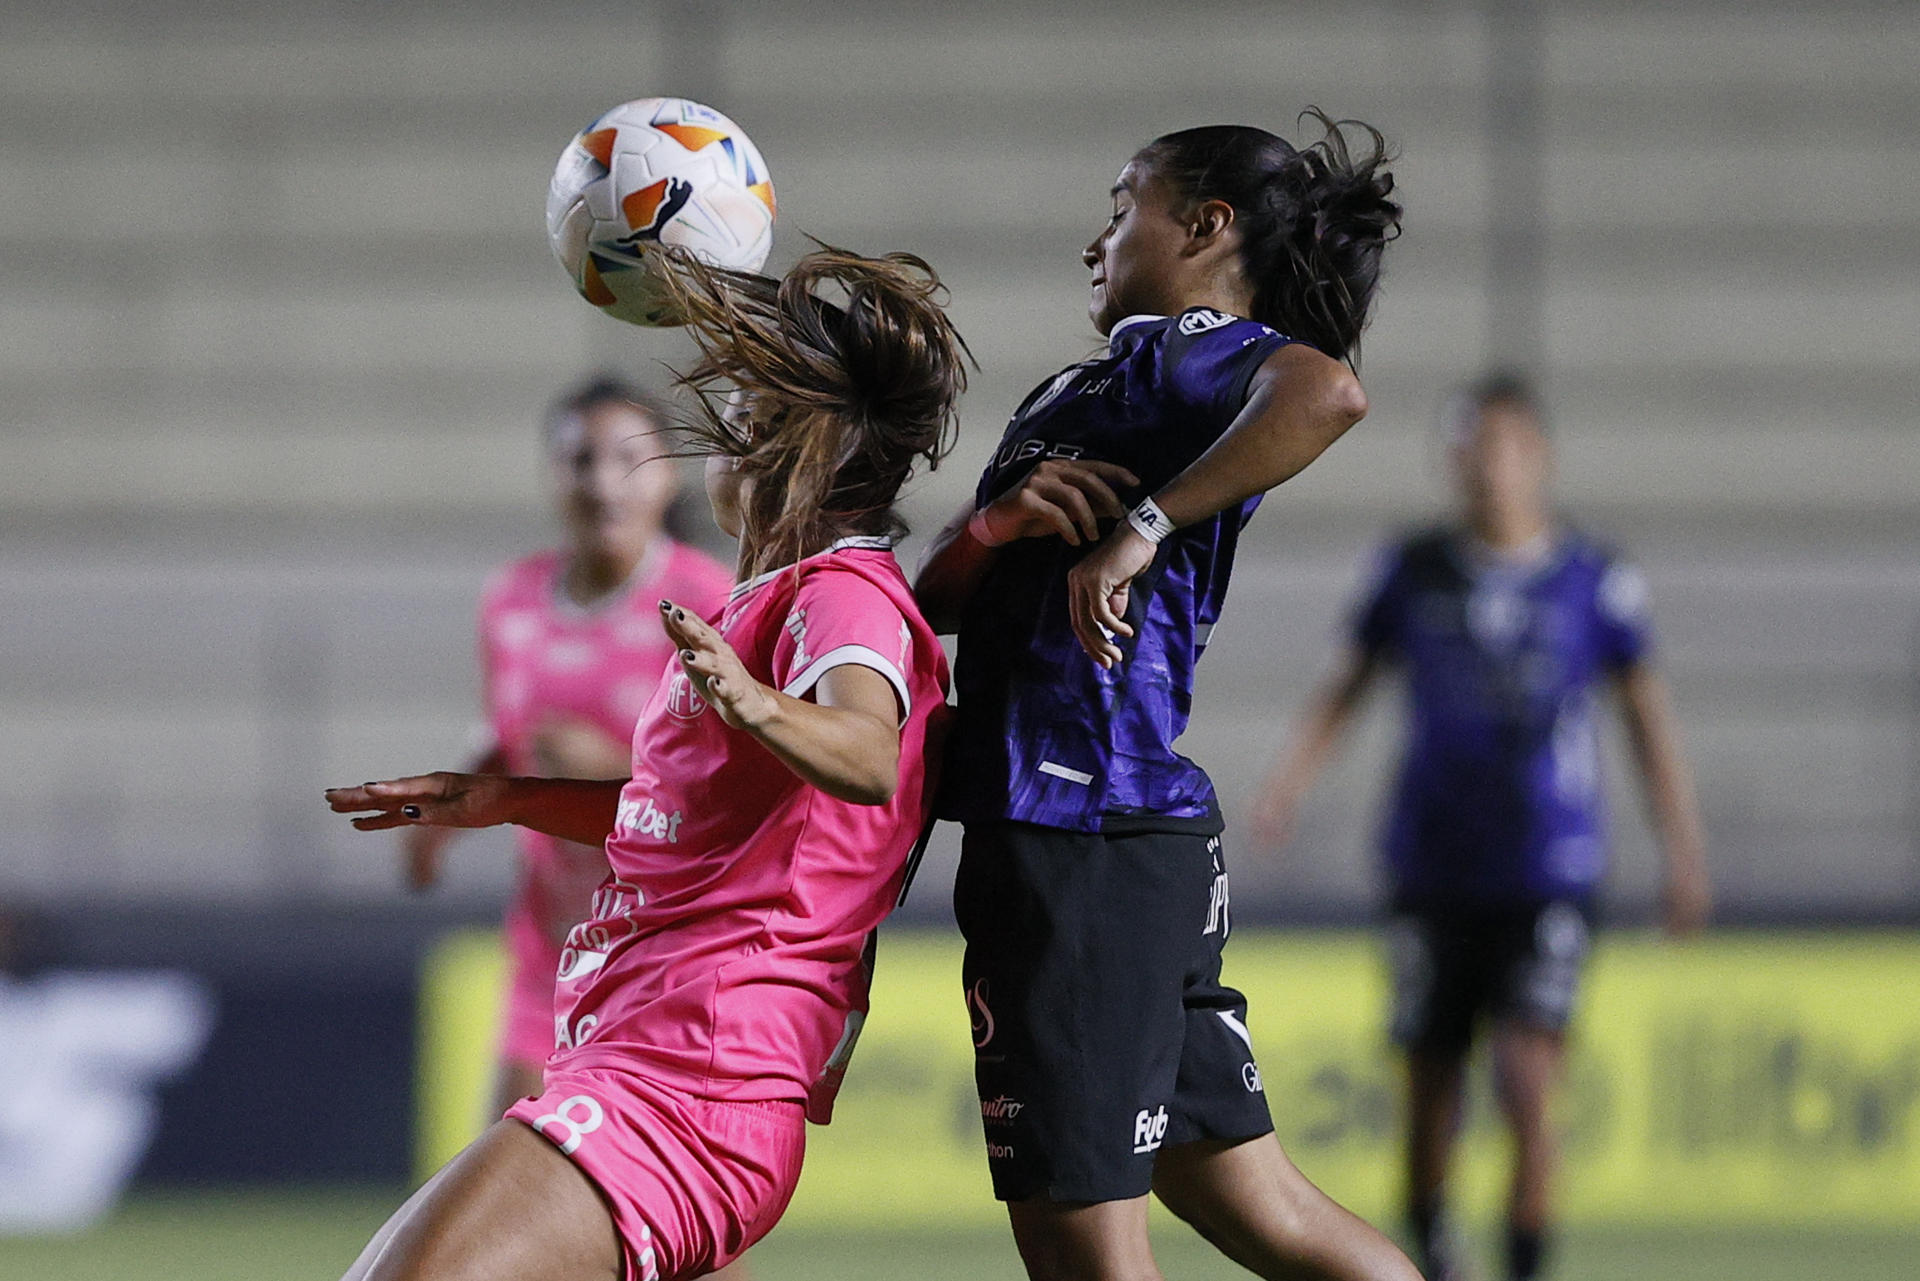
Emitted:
pixel 656 171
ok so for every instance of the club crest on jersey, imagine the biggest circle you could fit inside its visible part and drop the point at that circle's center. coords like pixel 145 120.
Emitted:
pixel 1201 319
pixel 683 700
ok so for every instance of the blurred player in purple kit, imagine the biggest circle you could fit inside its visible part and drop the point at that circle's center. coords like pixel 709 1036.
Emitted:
pixel 1504 626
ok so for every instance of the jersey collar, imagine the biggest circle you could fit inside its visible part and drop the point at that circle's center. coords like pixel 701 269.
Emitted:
pixel 1525 563
pixel 1113 335
pixel 868 541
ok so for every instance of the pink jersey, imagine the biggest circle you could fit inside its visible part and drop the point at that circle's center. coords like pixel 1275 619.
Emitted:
pixel 725 954
pixel 546 658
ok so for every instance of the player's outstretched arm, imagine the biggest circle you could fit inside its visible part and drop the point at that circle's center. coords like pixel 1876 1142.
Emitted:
pixel 573 809
pixel 1299 403
pixel 1315 742
pixel 1064 496
pixel 846 743
pixel 423 847
pixel 1654 733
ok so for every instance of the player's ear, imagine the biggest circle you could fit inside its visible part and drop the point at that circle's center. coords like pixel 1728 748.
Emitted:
pixel 1209 222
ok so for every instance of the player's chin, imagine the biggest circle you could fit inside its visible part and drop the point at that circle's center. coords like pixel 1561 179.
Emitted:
pixel 1099 312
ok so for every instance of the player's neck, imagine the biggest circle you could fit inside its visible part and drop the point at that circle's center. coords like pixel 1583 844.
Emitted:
pixel 1217 293
pixel 1511 533
pixel 592 575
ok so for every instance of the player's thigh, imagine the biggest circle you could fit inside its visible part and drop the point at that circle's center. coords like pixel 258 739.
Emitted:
pixel 1238 1194
pixel 510 1207
pixel 1255 1206
pixel 1100 1241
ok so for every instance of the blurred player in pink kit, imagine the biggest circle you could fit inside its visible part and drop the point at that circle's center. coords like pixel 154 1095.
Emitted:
pixel 708 1006
pixel 571 647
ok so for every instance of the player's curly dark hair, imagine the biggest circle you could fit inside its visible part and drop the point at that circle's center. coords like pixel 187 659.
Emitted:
pixel 842 399
pixel 1313 222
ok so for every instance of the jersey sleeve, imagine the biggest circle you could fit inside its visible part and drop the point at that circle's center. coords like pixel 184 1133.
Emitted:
pixel 840 618
pixel 1375 625
pixel 1625 633
pixel 1213 358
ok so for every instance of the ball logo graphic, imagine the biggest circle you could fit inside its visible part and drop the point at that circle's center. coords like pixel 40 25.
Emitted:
pixel 651 208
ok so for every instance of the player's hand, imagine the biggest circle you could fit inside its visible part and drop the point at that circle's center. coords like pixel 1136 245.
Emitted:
pixel 717 673
pixel 1064 496
pixel 571 747
pixel 1098 588
pixel 422 853
pixel 440 799
pixel 1685 905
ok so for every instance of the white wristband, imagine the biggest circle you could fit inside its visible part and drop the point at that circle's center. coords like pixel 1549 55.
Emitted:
pixel 977 527
pixel 1150 522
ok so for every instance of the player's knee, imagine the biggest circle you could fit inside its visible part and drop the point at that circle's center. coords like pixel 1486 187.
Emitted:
pixel 1058 1250
pixel 1055 1262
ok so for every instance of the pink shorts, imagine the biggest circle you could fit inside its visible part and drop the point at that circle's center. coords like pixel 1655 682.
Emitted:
pixel 526 1013
pixel 692 1182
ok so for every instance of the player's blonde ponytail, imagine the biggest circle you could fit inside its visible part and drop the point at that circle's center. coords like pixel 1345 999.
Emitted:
pixel 842 399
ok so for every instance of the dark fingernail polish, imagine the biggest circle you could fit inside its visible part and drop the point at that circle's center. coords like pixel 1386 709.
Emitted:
pixel 686 656
pixel 679 615
pixel 411 811
pixel 666 606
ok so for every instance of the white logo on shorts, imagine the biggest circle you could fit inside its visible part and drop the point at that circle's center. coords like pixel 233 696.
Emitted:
pixel 649 1263
pixel 1250 1077
pixel 577 1127
pixel 1149 1129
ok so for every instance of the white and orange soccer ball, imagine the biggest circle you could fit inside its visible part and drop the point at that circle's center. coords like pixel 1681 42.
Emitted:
pixel 656 171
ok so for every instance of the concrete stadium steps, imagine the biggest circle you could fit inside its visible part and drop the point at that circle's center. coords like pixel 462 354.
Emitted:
pixel 170 718
pixel 279 315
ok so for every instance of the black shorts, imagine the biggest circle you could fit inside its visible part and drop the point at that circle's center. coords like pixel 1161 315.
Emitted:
pixel 1453 967
pixel 1101 1030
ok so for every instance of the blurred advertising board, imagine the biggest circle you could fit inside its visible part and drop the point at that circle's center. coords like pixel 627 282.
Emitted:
pixel 1741 1079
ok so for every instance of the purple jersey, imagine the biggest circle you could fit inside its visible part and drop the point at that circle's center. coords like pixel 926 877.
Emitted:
pixel 1044 735
pixel 1498 800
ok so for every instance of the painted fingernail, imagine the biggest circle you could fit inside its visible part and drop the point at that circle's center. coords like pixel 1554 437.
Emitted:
pixel 686 656
pixel 679 615
pixel 411 811
pixel 666 606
